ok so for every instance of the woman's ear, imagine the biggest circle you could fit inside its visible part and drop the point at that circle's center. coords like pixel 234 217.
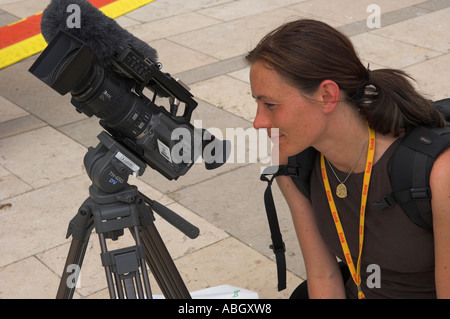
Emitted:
pixel 328 94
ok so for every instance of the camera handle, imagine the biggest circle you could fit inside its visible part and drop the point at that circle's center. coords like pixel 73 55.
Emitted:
pixel 112 206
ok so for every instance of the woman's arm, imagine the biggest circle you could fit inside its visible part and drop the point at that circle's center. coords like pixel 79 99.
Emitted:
pixel 324 276
pixel 440 202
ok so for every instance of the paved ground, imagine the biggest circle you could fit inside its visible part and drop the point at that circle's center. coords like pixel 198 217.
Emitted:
pixel 43 140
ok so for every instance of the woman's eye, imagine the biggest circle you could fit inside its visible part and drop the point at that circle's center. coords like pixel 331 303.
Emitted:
pixel 269 105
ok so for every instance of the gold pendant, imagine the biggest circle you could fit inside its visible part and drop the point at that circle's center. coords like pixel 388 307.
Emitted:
pixel 341 191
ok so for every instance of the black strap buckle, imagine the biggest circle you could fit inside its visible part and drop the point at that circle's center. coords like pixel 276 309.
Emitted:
pixel 278 250
pixel 387 201
pixel 282 170
pixel 292 170
pixel 281 264
pixel 421 193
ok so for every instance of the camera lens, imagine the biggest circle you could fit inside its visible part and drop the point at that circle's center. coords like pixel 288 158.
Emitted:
pixel 110 99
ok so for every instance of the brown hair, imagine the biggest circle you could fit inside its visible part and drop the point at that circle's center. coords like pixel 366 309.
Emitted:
pixel 306 52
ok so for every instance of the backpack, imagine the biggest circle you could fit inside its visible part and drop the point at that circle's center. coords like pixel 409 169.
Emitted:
pixel 410 172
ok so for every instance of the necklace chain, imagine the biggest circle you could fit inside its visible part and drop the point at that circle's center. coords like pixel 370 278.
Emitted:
pixel 351 171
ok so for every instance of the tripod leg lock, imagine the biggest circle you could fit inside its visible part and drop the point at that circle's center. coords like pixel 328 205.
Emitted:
pixel 81 225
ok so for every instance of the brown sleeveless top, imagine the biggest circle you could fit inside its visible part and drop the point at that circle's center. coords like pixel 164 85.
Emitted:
pixel 403 251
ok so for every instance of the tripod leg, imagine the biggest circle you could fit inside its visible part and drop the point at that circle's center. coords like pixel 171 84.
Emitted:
pixel 138 240
pixel 68 281
pixel 109 278
pixel 80 228
pixel 161 264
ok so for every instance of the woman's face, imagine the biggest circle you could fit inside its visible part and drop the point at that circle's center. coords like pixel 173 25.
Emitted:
pixel 281 106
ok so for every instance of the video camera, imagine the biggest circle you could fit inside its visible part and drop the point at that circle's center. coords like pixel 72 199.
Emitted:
pixel 166 141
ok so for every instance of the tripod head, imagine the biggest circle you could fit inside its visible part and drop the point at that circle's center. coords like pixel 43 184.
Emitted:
pixel 109 165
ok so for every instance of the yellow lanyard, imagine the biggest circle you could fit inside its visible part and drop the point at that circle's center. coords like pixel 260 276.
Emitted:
pixel 356 274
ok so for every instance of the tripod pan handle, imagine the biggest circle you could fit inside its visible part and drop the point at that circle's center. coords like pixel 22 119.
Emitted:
pixel 175 220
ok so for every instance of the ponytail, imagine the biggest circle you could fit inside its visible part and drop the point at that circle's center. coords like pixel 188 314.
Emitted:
pixel 391 105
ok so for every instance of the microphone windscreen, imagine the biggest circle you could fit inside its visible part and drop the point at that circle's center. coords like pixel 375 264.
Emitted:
pixel 100 33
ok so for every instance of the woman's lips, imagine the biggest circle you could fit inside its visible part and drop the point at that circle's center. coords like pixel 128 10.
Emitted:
pixel 276 138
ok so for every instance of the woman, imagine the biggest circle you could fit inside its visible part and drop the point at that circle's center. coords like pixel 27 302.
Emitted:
pixel 310 84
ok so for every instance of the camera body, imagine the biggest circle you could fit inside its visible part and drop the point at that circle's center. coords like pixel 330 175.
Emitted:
pixel 114 94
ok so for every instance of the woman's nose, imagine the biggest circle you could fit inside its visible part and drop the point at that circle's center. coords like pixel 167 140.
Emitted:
pixel 261 119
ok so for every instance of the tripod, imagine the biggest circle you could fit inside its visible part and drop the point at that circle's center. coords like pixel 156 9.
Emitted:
pixel 112 206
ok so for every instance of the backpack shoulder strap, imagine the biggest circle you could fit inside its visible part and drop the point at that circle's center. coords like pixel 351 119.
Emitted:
pixel 299 167
pixel 410 173
pixel 411 167
pixel 304 163
pixel 278 245
pixel 444 107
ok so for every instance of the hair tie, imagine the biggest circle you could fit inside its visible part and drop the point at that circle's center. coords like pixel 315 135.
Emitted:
pixel 361 91
pixel 369 74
